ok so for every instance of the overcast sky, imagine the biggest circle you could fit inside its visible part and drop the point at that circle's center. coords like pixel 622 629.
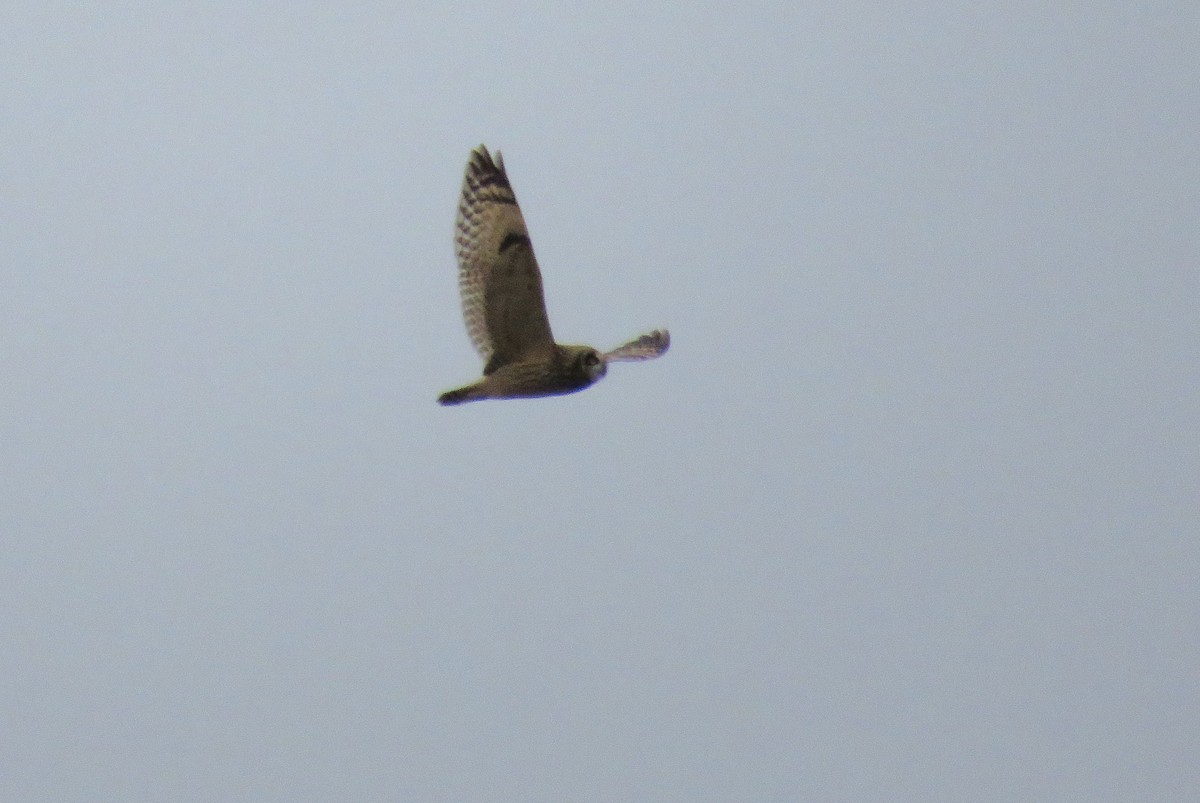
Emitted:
pixel 908 512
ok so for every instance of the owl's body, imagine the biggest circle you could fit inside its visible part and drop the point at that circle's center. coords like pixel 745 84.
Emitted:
pixel 503 305
pixel 569 368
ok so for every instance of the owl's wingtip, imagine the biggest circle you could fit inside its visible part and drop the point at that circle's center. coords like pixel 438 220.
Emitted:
pixel 451 397
pixel 461 395
pixel 484 159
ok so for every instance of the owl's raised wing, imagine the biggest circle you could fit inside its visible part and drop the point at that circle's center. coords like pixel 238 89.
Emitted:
pixel 498 277
pixel 646 347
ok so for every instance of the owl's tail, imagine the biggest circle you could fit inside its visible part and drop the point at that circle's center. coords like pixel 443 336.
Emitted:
pixel 461 395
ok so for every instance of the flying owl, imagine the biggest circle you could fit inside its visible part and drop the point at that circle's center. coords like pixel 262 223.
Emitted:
pixel 503 305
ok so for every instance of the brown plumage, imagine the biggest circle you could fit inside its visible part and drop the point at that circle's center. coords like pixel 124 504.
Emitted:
pixel 503 304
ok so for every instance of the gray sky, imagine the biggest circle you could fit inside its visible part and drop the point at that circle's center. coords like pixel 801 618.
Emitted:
pixel 909 511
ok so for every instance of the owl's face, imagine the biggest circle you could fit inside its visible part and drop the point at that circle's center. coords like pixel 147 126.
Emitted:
pixel 586 362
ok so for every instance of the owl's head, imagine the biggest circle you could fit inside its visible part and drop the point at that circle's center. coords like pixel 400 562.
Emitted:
pixel 586 362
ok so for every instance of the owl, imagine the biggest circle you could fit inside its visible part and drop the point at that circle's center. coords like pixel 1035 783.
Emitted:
pixel 503 305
